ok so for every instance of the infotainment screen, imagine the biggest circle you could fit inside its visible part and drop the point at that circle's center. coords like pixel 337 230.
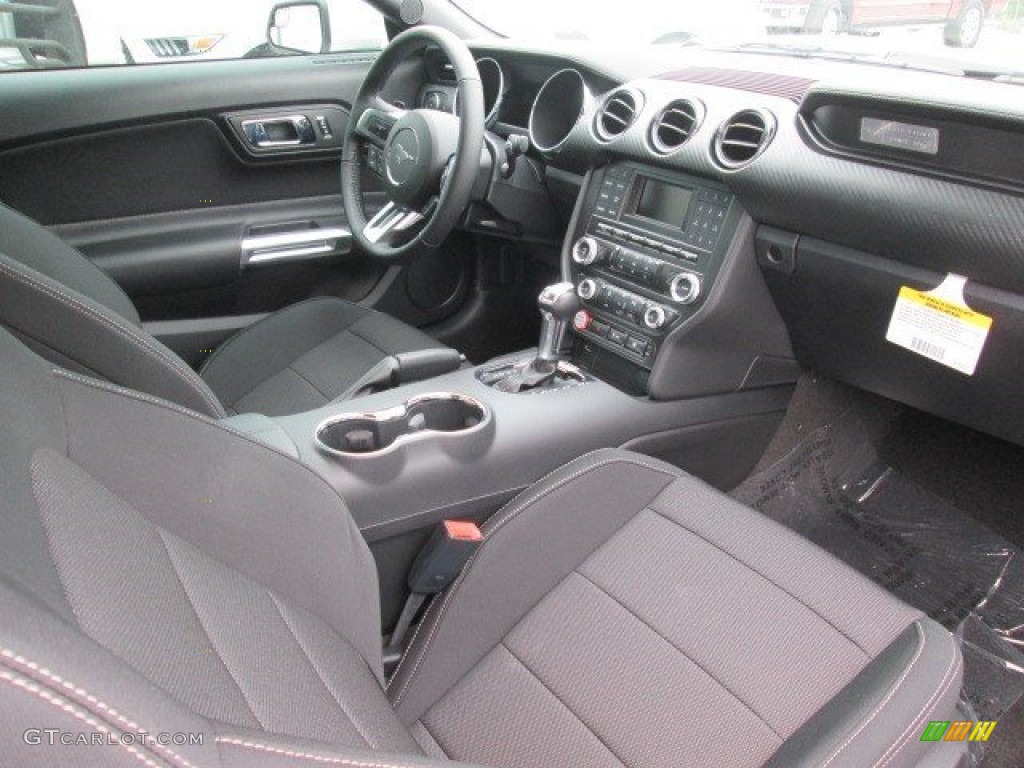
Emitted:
pixel 663 202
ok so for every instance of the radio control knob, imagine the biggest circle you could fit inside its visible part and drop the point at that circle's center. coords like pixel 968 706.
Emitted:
pixel 655 317
pixel 586 251
pixel 685 288
pixel 587 289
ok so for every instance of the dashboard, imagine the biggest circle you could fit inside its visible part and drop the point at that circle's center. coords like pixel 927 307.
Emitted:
pixel 841 182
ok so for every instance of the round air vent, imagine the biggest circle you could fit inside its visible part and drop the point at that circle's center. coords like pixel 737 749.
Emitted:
pixel 743 137
pixel 674 125
pixel 617 114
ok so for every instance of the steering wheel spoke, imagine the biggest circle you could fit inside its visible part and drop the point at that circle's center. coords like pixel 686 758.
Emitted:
pixel 390 221
pixel 375 123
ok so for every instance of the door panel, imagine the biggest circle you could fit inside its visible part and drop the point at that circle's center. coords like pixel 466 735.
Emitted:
pixel 147 171
pixel 180 165
pixel 186 251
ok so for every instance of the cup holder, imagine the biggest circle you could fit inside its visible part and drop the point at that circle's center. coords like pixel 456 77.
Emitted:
pixel 441 415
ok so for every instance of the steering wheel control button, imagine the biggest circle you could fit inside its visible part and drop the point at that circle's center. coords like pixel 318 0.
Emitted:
pixel 585 251
pixel 375 159
pixel 685 288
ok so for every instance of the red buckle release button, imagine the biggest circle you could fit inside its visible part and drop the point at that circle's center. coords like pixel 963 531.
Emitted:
pixel 462 530
pixel 582 320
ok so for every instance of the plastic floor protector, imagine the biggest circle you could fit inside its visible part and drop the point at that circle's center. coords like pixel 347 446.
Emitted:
pixel 833 489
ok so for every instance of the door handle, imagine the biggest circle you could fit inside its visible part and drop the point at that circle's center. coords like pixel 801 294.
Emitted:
pixel 294 129
pixel 294 245
pixel 283 131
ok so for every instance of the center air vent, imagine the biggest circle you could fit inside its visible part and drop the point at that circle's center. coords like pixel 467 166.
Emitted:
pixel 617 114
pixel 674 125
pixel 743 137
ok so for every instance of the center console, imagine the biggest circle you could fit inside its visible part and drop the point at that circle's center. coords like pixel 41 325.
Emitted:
pixel 646 249
pixel 660 337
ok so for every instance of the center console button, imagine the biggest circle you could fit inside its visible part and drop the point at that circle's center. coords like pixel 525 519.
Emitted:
pixel 637 346
pixel 615 336
pixel 582 320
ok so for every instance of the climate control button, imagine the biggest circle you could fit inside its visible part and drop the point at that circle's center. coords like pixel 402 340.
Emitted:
pixel 587 289
pixel 585 251
pixel 655 317
pixel 685 288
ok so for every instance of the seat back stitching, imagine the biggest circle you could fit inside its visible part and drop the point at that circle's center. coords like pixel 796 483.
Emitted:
pixel 326 759
pixel 125 331
pixel 498 525
pixel 16 659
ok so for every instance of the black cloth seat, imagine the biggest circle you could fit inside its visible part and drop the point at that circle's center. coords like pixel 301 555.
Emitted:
pixel 299 358
pixel 161 573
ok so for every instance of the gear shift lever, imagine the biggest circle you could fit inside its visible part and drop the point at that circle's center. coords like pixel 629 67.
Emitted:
pixel 558 303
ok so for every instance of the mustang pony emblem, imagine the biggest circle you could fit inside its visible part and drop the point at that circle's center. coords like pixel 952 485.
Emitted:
pixel 401 154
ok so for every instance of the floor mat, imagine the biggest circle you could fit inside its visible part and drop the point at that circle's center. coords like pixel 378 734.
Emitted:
pixel 834 489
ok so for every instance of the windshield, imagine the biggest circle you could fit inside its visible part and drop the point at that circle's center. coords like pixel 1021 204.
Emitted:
pixel 977 36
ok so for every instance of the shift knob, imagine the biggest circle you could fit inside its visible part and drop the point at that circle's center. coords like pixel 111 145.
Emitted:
pixel 558 303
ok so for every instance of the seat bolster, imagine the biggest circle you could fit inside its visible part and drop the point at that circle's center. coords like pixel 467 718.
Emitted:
pixel 95 339
pixel 242 748
pixel 546 533
pixel 879 717
pixel 31 244
pixel 53 676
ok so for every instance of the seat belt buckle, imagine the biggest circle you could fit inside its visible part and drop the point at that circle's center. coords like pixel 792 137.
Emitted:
pixel 438 564
pixel 443 557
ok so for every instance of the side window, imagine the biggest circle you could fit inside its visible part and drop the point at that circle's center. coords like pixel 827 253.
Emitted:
pixel 38 34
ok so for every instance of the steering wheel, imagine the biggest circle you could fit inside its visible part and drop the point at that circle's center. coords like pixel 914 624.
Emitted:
pixel 428 160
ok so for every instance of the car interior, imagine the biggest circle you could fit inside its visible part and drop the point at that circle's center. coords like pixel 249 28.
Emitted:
pixel 513 402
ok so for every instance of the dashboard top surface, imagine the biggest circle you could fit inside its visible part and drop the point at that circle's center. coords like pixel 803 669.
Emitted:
pixel 820 171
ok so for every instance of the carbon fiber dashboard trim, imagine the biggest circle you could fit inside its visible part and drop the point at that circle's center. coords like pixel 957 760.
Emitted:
pixel 792 88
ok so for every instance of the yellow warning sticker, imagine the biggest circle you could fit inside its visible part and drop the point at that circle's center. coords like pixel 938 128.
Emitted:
pixel 939 325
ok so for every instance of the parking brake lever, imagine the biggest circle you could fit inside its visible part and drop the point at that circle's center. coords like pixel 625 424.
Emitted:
pixel 425 364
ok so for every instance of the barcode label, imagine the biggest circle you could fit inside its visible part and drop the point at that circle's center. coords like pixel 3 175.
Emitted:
pixel 927 348
pixel 939 325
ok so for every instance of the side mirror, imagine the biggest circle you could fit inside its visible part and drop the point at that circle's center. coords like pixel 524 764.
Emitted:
pixel 299 26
